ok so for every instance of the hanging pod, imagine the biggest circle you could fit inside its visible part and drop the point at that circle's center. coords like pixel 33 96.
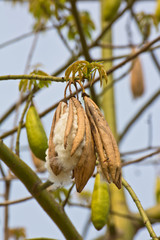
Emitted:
pixel 105 143
pixel 110 9
pixel 37 138
pixel 157 189
pixel 137 78
pixel 100 203
pixel 71 148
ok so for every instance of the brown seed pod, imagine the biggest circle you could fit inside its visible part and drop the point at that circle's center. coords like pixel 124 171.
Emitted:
pixel 137 79
pixel 98 144
pixel 38 163
pixel 81 125
pixel 106 145
pixel 69 122
pixel 71 147
pixel 52 155
pixel 85 167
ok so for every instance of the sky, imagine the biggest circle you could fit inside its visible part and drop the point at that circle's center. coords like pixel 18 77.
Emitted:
pixel 50 52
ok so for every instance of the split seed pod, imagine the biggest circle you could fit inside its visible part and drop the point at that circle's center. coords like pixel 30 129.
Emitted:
pixel 137 79
pixel 105 143
pixel 71 148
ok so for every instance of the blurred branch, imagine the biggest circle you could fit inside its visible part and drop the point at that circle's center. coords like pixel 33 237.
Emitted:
pixel 111 58
pixel 153 213
pixel 152 53
pixel 139 113
pixel 23 36
pixel 44 198
pixel 139 150
pixel 112 22
pixel 6 203
pixel 21 121
pixel 155 60
pixel 107 45
pixel 140 159
pixel 146 221
pixel 115 81
pixel 31 52
pixel 68 195
pixel 80 31
pixel 134 55
pixel 85 48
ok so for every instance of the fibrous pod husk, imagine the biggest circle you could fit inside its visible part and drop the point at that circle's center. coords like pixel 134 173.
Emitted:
pixel 81 125
pixel 137 79
pixel 105 143
pixel 85 167
pixel 52 155
pixel 100 203
pixel 67 152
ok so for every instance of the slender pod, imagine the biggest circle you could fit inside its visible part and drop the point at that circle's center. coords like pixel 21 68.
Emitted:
pixel 85 167
pixel 100 203
pixel 37 138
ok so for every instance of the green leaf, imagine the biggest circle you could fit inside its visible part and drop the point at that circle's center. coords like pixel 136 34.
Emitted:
pixel 28 84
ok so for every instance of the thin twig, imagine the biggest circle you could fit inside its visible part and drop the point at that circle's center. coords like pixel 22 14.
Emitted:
pixel 31 52
pixel 155 60
pixel 31 77
pixel 138 114
pixel 140 159
pixel 139 150
pixel 115 81
pixel 68 195
pixel 112 22
pixel 23 36
pixel 7 203
pixel 21 121
pixel 80 30
pixel 140 208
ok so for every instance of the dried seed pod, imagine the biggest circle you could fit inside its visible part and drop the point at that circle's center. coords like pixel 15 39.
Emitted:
pixel 52 155
pixel 85 167
pixel 105 143
pixel 81 126
pixel 66 142
pixel 137 79
pixel 98 143
pixel 38 163
pixel 69 122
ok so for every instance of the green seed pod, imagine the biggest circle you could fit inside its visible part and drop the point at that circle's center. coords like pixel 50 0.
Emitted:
pixel 157 189
pixel 37 138
pixel 110 9
pixel 157 11
pixel 100 203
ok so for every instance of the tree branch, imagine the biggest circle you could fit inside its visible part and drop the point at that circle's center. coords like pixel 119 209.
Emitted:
pixel 140 208
pixel 44 198
pixel 140 159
